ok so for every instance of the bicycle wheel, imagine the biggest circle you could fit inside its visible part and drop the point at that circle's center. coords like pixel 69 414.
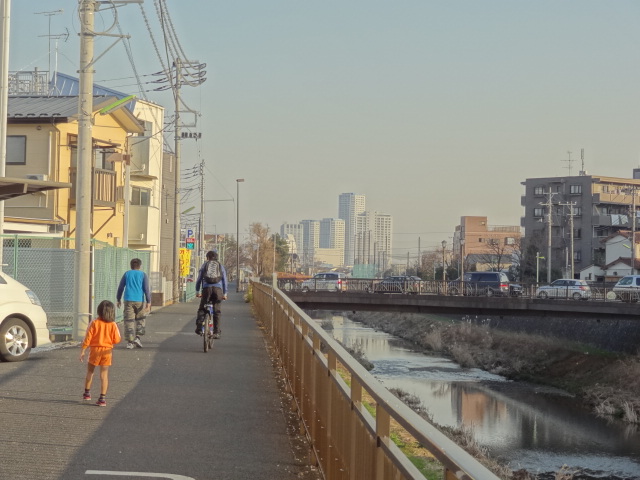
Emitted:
pixel 205 333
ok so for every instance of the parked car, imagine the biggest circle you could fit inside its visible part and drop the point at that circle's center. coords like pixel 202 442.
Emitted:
pixel 628 288
pixel 23 321
pixel 484 283
pixel 398 284
pixel 329 281
pixel 565 288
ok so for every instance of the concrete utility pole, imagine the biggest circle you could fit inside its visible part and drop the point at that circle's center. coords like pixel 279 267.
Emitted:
pixel 633 231
pixel 4 100
pixel 82 298
pixel 549 206
pixel 571 243
pixel 201 232
pixel 177 152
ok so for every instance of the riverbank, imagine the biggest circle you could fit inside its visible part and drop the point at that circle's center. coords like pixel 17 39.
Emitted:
pixel 608 382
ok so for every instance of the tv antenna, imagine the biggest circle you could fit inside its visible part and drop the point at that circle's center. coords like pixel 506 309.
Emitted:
pixel 569 161
pixel 49 15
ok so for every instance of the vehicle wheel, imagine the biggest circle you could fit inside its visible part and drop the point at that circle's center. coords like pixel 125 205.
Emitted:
pixel 15 340
pixel 543 295
pixel 577 296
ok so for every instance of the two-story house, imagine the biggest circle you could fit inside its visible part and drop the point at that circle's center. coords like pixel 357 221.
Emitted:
pixel 42 136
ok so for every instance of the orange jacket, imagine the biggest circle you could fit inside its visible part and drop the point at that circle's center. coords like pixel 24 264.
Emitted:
pixel 101 334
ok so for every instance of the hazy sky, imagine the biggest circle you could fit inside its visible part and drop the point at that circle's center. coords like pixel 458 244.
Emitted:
pixel 433 110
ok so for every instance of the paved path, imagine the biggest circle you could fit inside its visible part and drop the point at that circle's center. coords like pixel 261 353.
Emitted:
pixel 173 411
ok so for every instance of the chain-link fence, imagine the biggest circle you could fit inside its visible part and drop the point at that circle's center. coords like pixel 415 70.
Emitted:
pixel 46 265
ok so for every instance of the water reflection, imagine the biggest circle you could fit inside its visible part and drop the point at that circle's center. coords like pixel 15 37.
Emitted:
pixel 536 428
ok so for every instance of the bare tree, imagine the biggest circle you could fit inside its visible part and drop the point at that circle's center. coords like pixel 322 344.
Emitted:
pixel 499 254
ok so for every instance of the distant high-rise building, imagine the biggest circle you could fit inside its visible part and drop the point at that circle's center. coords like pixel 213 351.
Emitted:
pixel 332 237
pixel 297 231
pixel 373 240
pixel 350 205
pixel 310 240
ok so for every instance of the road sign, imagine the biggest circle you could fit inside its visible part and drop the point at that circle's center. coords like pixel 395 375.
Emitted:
pixel 189 233
pixel 190 243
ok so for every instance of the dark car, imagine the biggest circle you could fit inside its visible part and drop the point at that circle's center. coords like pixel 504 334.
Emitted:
pixel 484 283
pixel 398 284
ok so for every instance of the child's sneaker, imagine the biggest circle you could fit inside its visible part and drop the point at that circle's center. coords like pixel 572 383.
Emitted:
pixel 130 345
pixel 86 396
pixel 101 402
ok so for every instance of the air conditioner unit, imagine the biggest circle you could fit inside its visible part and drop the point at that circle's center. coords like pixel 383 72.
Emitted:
pixel 37 176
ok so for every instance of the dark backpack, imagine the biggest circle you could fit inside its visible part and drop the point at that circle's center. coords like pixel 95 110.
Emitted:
pixel 212 272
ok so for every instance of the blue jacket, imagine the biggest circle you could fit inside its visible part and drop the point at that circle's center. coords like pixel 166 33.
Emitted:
pixel 221 284
pixel 135 285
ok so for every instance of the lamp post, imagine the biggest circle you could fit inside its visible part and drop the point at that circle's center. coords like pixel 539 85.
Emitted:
pixel 444 269
pixel 462 259
pixel 538 257
pixel 238 182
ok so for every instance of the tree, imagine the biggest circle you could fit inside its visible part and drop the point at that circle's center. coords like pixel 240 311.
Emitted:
pixel 262 249
pixel 499 254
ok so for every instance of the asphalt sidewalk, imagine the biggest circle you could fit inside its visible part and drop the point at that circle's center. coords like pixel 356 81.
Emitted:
pixel 172 410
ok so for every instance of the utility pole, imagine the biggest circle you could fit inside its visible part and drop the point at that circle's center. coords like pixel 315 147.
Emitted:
pixel 177 65
pixel 549 206
pixel 5 5
pixel 633 230
pixel 82 298
pixel 571 243
pixel 201 232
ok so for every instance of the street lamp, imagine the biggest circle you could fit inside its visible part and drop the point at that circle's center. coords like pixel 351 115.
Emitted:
pixel 461 259
pixel 238 182
pixel 444 270
pixel 538 257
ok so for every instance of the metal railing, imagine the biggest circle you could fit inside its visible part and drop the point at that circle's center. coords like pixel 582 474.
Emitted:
pixel 595 291
pixel 347 441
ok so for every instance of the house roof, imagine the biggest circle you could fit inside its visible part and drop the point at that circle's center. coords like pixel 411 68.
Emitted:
pixel 44 109
pixel 624 260
pixel 15 187
pixel 622 233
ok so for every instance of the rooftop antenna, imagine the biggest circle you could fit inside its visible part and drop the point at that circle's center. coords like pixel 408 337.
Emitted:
pixel 569 161
pixel 582 172
pixel 49 14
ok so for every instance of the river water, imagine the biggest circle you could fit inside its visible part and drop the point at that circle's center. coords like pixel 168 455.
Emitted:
pixel 529 427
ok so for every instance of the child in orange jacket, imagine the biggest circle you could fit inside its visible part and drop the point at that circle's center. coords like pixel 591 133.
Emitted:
pixel 101 336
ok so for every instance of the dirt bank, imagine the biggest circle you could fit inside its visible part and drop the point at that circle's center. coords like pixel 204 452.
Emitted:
pixel 609 383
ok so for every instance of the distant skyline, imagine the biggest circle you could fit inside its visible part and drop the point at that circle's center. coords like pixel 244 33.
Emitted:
pixel 433 110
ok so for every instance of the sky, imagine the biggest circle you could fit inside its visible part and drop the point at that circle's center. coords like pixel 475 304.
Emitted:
pixel 432 109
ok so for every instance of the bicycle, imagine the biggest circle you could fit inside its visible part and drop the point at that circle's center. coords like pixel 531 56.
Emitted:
pixel 207 333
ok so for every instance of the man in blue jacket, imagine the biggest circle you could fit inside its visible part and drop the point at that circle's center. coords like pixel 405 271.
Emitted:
pixel 135 285
pixel 214 290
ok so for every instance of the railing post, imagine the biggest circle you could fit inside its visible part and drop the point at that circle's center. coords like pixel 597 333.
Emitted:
pixel 383 431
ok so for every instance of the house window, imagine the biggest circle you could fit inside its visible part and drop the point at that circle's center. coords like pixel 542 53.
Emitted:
pixel 100 159
pixel 538 190
pixel 577 233
pixel 509 241
pixel 140 196
pixel 538 212
pixel 577 211
pixel 16 150
pixel 575 189
pixel 577 255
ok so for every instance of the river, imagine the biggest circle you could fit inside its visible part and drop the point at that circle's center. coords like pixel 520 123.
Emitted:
pixel 529 427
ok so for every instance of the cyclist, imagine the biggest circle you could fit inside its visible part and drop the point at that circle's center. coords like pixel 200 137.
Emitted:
pixel 212 277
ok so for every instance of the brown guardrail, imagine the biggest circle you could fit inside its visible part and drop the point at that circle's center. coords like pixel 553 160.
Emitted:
pixel 347 441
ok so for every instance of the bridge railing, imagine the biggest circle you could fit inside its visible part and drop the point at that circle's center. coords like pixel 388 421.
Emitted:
pixel 348 442
pixel 594 291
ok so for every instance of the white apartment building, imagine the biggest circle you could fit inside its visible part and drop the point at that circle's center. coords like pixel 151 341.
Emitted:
pixel 373 240
pixel 350 205
pixel 332 236
pixel 310 240
pixel 296 230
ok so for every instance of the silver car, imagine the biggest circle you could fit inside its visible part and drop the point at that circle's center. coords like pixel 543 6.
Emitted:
pixel 628 288
pixel 565 288
pixel 328 281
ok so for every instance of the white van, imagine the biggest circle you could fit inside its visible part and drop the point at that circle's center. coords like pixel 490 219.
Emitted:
pixel 23 321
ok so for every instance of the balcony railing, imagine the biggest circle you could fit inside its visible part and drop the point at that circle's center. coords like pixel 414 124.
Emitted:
pixel 103 187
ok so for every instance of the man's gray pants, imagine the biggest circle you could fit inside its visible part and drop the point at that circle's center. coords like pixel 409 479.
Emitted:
pixel 134 320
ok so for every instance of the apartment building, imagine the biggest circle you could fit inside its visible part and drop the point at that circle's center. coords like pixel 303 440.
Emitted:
pixel 296 230
pixel 483 246
pixel 310 241
pixel 350 205
pixel 575 213
pixel 332 238
pixel 373 239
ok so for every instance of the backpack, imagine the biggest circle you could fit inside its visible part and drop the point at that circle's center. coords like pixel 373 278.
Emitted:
pixel 212 272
